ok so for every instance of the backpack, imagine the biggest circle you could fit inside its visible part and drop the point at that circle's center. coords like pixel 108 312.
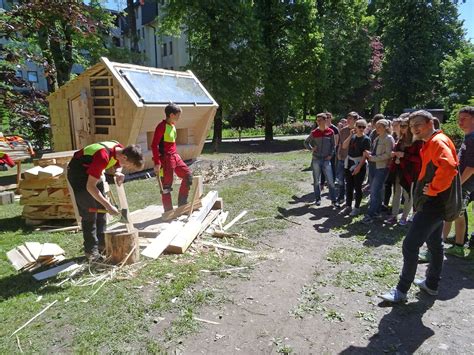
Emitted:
pixel 452 210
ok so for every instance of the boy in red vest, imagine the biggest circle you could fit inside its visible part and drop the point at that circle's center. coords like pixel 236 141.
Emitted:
pixel 167 160
pixel 5 160
pixel 84 174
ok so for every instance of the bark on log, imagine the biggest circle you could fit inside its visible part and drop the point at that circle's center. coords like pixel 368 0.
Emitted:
pixel 119 243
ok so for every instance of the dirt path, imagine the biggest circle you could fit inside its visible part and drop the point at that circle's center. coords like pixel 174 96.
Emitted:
pixel 289 302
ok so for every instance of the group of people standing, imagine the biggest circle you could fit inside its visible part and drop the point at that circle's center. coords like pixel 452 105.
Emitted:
pixel 409 160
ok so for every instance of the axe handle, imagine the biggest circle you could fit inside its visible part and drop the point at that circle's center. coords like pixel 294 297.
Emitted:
pixel 160 184
pixel 97 210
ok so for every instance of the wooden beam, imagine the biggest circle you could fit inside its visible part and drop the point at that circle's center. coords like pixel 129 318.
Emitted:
pixel 124 205
pixel 169 215
pixel 161 242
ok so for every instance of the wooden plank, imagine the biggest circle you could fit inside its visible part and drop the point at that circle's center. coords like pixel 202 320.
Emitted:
pixel 50 171
pixel 225 247
pixel 25 253
pixel 207 203
pixel 169 215
pixel 161 242
pixel 184 238
pixel 34 248
pixel 56 270
pixel 16 259
pixel 198 185
pixel 209 219
pixel 231 223
pixel 35 184
pixel 51 249
pixel 8 187
pixel 38 201
pixel 124 205
pixel 32 173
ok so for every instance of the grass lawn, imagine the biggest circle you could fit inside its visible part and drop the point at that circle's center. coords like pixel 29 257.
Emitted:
pixel 123 313
pixel 118 318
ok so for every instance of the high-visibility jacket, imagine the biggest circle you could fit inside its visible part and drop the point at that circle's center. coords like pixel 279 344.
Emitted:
pixel 98 157
pixel 164 141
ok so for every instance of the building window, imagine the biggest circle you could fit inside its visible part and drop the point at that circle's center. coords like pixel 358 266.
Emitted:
pixel 165 50
pixel 171 48
pixel 143 33
pixel 18 74
pixel 116 41
pixel 33 76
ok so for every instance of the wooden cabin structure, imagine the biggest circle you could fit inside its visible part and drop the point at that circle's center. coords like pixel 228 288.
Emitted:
pixel 126 102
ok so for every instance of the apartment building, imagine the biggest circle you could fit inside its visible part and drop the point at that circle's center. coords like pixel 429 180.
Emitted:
pixel 159 51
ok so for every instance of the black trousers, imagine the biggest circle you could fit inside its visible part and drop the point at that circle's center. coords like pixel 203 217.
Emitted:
pixel 93 224
pixel 354 183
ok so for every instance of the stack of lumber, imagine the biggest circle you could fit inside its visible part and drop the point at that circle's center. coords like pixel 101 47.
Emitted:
pixel 17 149
pixel 59 158
pixel 45 195
pixel 32 255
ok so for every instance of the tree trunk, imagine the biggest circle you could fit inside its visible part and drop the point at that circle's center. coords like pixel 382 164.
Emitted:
pixel 121 245
pixel 268 126
pixel 217 138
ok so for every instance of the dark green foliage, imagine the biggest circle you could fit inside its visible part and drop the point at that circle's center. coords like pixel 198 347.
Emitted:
pixel 457 75
pixel 417 35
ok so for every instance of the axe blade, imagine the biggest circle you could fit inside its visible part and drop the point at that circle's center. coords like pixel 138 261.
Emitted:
pixel 124 215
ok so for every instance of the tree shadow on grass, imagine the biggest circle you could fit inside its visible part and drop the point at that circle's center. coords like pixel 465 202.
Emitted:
pixel 402 330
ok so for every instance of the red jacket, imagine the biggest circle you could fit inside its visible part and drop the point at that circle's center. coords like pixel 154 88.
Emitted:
pixel 164 141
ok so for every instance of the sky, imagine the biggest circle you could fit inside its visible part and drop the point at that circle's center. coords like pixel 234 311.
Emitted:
pixel 466 12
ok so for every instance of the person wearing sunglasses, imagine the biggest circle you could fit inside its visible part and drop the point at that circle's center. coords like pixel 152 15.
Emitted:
pixel 355 166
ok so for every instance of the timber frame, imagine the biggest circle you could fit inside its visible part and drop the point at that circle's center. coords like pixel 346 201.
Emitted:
pixel 103 104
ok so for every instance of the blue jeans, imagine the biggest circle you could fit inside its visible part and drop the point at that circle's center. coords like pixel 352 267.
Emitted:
pixel 340 180
pixel 426 227
pixel 377 191
pixel 325 167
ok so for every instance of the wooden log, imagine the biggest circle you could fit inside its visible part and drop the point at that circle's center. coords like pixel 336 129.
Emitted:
pixel 119 245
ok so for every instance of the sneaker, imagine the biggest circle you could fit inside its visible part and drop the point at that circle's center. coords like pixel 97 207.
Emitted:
pixel 455 250
pixel 336 205
pixel 354 212
pixel 367 220
pixel 422 285
pixel 391 220
pixel 394 296
pixel 317 202
pixel 424 256
pixel 403 221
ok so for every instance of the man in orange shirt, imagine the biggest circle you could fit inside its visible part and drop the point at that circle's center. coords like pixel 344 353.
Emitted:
pixel 431 196
pixel 167 160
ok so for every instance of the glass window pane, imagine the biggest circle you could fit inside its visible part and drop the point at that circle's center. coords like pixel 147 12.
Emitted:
pixel 154 88
pixel 33 76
